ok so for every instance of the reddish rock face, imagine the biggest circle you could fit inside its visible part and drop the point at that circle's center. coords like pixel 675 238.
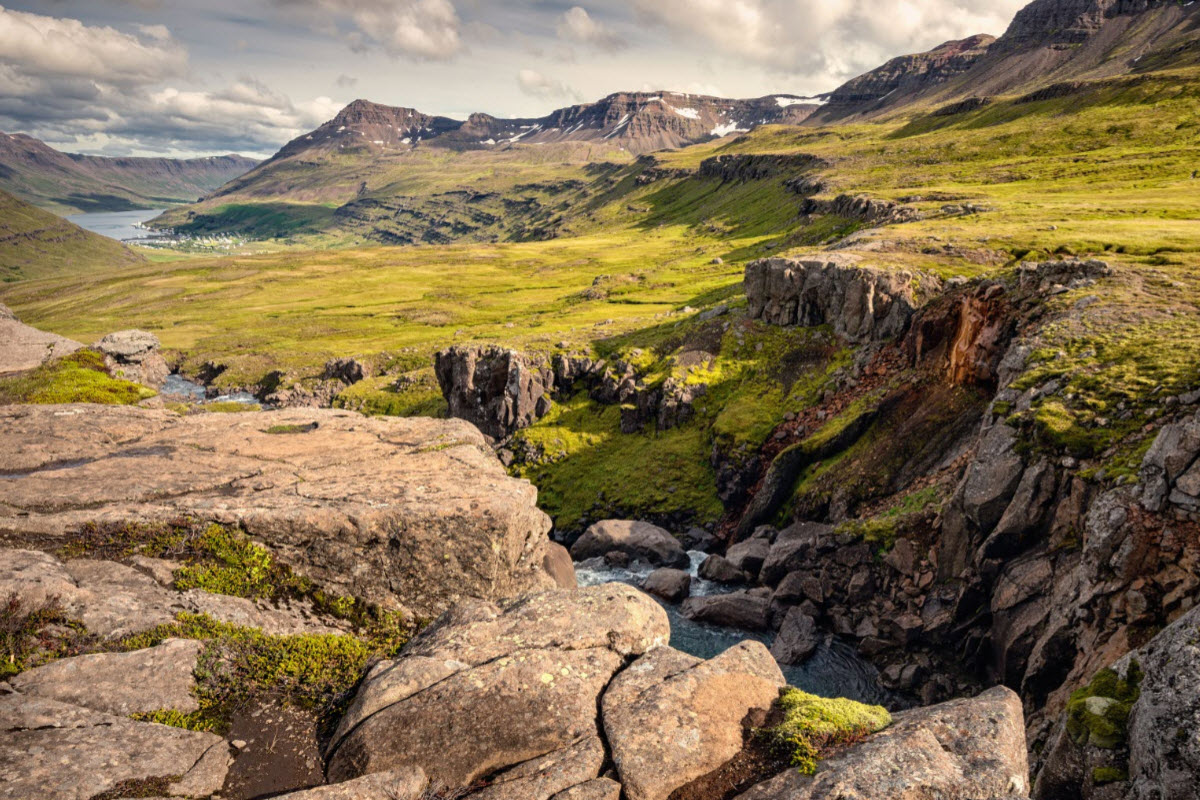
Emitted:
pixel 984 324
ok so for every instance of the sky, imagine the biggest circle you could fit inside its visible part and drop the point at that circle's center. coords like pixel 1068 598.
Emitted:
pixel 203 77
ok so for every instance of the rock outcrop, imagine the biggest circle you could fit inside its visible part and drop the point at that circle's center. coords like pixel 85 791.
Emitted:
pixel 23 347
pixel 641 541
pixel 862 304
pixel 970 749
pixel 134 356
pixel 423 515
pixel 498 390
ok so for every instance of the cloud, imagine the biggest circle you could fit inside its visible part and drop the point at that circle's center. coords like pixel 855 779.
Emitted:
pixel 535 84
pixel 425 30
pixel 73 84
pixel 66 48
pixel 346 81
pixel 818 39
pixel 576 25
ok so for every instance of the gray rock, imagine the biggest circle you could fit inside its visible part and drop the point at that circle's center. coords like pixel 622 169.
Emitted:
pixel 59 750
pixel 749 556
pixel 735 610
pixel 134 356
pixel 797 639
pixel 1175 450
pixel 500 391
pixel 640 540
pixel 971 749
pixel 718 569
pixel 672 585
pixel 671 718
pixel 120 683
pixel 485 689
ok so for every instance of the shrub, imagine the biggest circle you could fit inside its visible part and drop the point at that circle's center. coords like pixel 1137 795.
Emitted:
pixel 31 635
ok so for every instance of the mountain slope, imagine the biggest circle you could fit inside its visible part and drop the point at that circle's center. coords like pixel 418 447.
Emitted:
pixel 39 174
pixel 35 243
pixel 1048 42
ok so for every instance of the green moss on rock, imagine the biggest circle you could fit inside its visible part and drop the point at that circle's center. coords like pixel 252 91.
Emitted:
pixel 811 724
pixel 1098 714
pixel 80 377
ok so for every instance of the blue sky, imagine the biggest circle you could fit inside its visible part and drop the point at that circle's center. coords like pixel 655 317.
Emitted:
pixel 188 78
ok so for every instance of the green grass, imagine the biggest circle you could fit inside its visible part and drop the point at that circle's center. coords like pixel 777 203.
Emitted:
pixel 812 724
pixel 80 377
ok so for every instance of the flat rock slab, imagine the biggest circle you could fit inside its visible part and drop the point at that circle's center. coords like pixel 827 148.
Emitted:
pixel 416 512
pixel 405 784
pixel 23 347
pixel 972 748
pixel 671 718
pixel 59 750
pixel 120 683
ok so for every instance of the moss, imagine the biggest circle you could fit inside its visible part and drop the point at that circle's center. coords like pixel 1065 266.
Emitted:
pixel 283 430
pixel 80 377
pixel 1098 714
pixel 202 720
pixel 882 530
pixel 1106 775
pixel 811 724
pixel 228 563
pixel 159 786
pixel 230 407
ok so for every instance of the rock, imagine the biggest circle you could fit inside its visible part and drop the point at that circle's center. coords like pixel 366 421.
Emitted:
pixel 134 356
pixel 698 539
pixel 1163 751
pixel 59 750
pixel 347 370
pixel 861 303
pixel 599 789
pixel 544 778
pixel 23 347
pixel 120 683
pixel 396 511
pixel 402 784
pixel 672 585
pixel 671 718
pixel 748 556
pixel 971 749
pixel 797 639
pixel 640 540
pixel 735 610
pixel 718 569
pixel 500 391
pixel 792 550
pixel 559 566
pixel 485 689
pixel 1174 451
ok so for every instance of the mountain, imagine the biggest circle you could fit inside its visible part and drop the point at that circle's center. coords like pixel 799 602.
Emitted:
pixel 35 243
pixel 1048 42
pixel 64 182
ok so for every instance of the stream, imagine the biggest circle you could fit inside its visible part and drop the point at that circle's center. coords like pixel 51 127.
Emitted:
pixel 178 387
pixel 834 670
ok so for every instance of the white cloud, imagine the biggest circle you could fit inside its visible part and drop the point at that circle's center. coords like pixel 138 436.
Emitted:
pixel 577 25
pixel 419 29
pixel 823 40
pixel 536 84
pixel 67 48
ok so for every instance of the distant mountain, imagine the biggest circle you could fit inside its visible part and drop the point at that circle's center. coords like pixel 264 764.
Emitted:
pixel 36 243
pixel 637 121
pixel 1049 42
pixel 66 183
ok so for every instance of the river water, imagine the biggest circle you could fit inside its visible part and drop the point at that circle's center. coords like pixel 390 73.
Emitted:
pixel 119 225
pixel 178 387
pixel 834 670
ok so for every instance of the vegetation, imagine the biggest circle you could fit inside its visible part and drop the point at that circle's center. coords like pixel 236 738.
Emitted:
pixel 80 377
pixel 1098 714
pixel 34 634
pixel 812 724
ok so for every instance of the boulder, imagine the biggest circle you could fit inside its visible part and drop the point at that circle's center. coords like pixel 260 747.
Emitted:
pixel 640 540
pixel 672 585
pixel 671 718
pixel 402 784
pixel 548 777
pixel 792 550
pixel 346 370
pixel 559 566
pixel 750 612
pixel 134 356
pixel 120 683
pixel 486 689
pixel 599 789
pixel 748 556
pixel 23 347
pixel 798 638
pixel 64 751
pixel 718 569
pixel 412 512
pixel 970 749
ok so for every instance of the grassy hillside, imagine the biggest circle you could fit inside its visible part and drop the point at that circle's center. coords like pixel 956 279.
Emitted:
pixel 36 244
pixel 1105 169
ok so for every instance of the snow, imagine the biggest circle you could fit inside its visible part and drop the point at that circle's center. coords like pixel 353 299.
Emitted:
pixel 488 142
pixel 339 130
pixel 784 102
pixel 726 129
pixel 689 113
pixel 406 140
